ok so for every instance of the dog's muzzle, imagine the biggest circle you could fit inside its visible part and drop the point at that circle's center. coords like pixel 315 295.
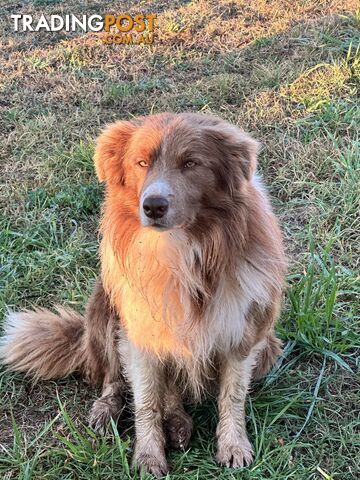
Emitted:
pixel 155 204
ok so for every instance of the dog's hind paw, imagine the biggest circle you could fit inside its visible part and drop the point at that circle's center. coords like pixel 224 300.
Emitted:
pixel 102 411
pixel 178 428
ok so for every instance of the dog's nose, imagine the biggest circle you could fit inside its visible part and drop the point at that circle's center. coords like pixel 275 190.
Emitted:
pixel 155 207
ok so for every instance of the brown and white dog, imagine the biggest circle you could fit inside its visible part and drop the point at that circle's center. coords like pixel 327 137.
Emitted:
pixel 192 270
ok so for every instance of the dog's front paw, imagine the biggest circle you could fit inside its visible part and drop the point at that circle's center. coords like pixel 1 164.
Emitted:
pixel 154 464
pixel 234 454
pixel 102 411
pixel 178 428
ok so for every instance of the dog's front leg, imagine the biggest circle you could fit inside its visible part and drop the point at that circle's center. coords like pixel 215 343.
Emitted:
pixel 147 381
pixel 233 446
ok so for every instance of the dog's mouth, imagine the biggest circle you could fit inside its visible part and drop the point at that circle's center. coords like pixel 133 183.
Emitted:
pixel 159 226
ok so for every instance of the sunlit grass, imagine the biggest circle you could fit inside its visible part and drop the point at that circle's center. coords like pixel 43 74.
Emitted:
pixel 316 87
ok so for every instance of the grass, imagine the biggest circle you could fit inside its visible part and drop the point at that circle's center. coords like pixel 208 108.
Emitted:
pixel 289 76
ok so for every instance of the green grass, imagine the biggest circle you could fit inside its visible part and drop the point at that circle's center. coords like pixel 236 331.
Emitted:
pixel 290 77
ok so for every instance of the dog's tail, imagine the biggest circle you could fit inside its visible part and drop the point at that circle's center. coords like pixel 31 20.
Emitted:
pixel 267 357
pixel 44 344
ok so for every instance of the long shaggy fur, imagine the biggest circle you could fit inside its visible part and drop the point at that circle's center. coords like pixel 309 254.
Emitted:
pixel 43 344
pixel 187 301
pixel 46 344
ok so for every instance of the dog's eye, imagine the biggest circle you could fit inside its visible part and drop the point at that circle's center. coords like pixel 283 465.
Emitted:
pixel 143 164
pixel 189 164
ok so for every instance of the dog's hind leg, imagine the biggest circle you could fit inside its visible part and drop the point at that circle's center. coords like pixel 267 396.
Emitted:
pixel 103 359
pixel 178 424
pixel 108 406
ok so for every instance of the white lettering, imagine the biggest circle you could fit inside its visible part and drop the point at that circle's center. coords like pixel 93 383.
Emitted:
pixel 16 21
pixel 80 23
pixel 42 23
pixel 98 24
pixel 27 21
pixel 56 19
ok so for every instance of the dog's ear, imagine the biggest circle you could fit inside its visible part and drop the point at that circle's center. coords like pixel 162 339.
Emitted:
pixel 233 144
pixel 110 149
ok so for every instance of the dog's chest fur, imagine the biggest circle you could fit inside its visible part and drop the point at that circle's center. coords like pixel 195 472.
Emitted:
pixel 152 293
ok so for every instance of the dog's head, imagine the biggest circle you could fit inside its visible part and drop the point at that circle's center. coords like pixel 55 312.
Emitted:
pixel 170 168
